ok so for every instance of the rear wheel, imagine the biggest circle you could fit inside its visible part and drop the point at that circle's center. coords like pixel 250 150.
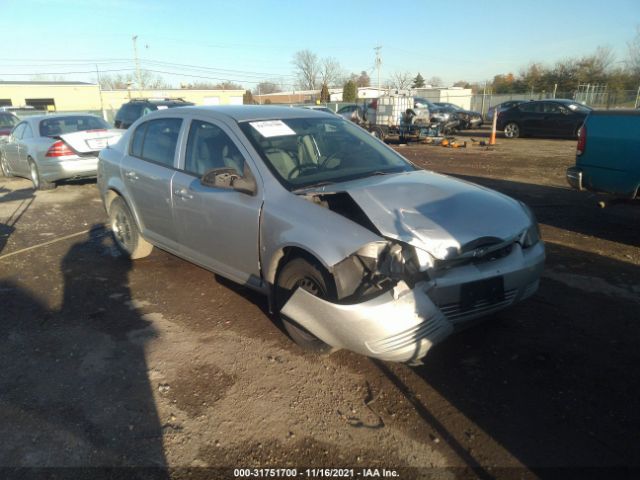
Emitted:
pixel 38 182
pixel 4 166
pixel 125 231
pixel 511 130
pixel 300 273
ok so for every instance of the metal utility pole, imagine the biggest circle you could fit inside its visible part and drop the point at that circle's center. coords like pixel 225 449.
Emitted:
pixel 378 64
pixel 137 63
pixel 104 113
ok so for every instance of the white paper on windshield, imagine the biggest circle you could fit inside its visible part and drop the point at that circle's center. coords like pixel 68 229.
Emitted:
pixel 162 107
pixel 272 128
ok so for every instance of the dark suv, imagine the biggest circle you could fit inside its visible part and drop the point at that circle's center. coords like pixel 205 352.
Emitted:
pixel 136 108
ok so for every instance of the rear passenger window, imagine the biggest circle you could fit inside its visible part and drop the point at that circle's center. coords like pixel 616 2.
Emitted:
pixel 160 140
pixel 530 107
pixel 550 108
pixel 136 143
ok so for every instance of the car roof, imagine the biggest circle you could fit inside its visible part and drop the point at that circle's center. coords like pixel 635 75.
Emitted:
pixel 244 113
pixel 557 100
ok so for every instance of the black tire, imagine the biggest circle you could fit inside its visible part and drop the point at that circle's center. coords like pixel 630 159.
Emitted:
pixel 378 133
pixel 4 167
pixel 512 130
pixel 126 232
pixel 301 273
pixel 38 182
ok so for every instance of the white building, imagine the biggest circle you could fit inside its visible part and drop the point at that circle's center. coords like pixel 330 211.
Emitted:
pixel 456 95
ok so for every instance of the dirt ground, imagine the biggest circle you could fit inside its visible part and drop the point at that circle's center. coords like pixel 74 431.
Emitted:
pixel 159 363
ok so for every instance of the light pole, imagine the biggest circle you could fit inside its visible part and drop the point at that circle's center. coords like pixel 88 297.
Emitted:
pixel 137 63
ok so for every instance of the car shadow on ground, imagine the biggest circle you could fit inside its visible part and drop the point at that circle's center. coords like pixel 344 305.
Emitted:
pixel 26 198
pixel 74 382
pixel 554 380
pixel 568 209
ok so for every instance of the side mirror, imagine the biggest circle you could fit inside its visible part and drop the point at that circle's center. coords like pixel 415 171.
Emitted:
pixel 230 179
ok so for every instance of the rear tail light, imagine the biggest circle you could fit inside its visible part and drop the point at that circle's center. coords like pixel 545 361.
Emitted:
pixel 582 140
pixel 59 149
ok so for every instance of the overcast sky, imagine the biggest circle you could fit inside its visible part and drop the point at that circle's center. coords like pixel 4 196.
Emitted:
pixel 250 41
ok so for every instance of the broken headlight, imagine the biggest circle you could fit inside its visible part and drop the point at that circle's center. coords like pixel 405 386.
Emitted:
pixel 398 261
pixel 379 266
pixel 531 235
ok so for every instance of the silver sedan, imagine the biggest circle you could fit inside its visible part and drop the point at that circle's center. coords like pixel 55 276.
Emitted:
pixel 47 148
pixel 353 245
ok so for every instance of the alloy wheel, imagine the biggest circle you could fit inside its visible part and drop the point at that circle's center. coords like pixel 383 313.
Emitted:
pixel 121 227
pixel 3 166
pixel 35 178
pixel 511 130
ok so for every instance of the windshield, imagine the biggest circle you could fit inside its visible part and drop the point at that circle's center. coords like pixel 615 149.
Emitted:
pixel 8 121
pixel 304 152
pixel 52 127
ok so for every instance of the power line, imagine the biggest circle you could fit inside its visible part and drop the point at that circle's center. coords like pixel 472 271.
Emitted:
pixel 200 67
pixel 66 73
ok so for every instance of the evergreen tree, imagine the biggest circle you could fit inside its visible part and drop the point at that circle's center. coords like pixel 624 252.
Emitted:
pixel 349 92
pixel 418 82
pixel 324 93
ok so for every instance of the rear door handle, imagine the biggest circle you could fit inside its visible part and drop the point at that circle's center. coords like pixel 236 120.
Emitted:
pixel 182 193
pixel 131 175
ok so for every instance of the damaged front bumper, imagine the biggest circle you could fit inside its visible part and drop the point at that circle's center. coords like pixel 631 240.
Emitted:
pixel 403 324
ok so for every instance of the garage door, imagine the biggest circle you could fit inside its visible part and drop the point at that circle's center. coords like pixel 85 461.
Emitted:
pixel 212 100
pixel 235 100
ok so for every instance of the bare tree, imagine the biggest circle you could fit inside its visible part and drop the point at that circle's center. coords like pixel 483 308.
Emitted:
pixel 435 82
pixel 47 78
pixel 633 59
pixel 121 82
pixel 266 87
pixel 330 72
pixel 306 67
pixel 401 80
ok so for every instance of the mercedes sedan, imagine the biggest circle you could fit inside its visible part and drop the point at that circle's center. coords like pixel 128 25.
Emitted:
pixel 353 245
pixel 48 148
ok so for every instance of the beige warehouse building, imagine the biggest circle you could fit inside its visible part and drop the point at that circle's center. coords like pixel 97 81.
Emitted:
pixel 82 96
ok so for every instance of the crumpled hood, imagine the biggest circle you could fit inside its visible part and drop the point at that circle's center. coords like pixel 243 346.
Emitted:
pixel 434 212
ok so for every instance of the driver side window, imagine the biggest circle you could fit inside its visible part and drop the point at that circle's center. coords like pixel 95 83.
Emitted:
pixel 209 147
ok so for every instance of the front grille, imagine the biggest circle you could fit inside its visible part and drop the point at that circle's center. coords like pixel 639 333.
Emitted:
pixel 455 313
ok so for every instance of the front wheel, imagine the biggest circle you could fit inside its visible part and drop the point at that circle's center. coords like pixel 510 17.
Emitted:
pixel 125 231
pixel 511 130
pixel 378 133
pixel 300 273
pixel 38 182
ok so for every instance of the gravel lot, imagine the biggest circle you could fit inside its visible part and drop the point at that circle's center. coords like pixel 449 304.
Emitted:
pixel 161 363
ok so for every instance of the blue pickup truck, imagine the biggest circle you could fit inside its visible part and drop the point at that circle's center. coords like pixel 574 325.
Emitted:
pixel 608 154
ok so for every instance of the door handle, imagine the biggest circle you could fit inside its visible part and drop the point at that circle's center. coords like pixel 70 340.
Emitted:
pixel 131 175
pixel 182 193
